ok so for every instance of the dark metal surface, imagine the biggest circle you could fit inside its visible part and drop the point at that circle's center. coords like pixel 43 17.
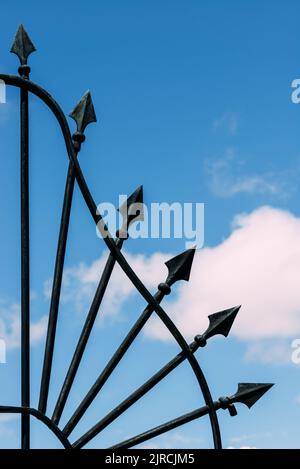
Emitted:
pixel 83 114
pixel 250 393
pixel 245 391
pixel 136 197
pixel 148 385
pixel 23 47
pixel 56 289
pixel 25 287
pixel 179 268
pixel 142 390
pixel 27 411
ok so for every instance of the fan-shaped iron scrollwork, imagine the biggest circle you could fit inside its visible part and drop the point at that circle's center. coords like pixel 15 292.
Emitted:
pixel 179 268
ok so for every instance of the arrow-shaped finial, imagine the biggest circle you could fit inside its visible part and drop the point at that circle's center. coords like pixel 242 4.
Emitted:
pixel 221 322
pixel 179 267
pixel 84 112
pixel 250 393
pixel 22 45
pixel 132 209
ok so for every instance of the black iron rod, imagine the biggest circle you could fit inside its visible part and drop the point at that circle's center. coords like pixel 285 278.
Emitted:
pixel 40 416
pixel 134 397
pixel 56 289
pixel 85 334
pixel 165 427
pixel 91 205
pixel 114 361
pixel 25 286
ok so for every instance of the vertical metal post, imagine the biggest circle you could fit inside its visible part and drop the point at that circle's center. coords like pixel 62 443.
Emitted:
pixel 25 286
pixel 23 47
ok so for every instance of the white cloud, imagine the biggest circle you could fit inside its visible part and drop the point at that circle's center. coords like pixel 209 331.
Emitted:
pixel 241 438
pixel 8 417
pixel 10 326
pixel 38 330
pixel 5 428
pixel 6 110
pixel 150 446
pixel 244 441
pixel 241 447
pixel 5 431
pixel 174 440
pixel 228 121
pixel 227 180
pixel 80 282
pixel 257 266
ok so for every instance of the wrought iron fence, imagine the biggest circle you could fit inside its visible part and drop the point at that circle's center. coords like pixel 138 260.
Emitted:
pixel 179 268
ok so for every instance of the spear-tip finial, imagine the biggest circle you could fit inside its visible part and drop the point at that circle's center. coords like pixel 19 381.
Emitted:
pixel 22 45
pixel 180 266
pixel 219 323
pixel 132 209
pixel 84 112
pixel 250 393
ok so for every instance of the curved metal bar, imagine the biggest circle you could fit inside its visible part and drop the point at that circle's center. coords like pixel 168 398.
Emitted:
pixel 40 416
pixel 55 108
pixel 129 401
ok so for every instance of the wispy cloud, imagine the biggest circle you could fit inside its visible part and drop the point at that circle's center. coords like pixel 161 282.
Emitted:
pixel 5 431
pixel 228 121
pixel 6 111
pixel 276 352
pixel 241 438
pixel 245 441
pixel 10 326
pixel 227 179
pixel 173 441
pixel 5 425
pixel 8 417
pixel 241 447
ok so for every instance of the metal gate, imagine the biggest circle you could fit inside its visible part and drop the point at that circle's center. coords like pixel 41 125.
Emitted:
pixel 178 269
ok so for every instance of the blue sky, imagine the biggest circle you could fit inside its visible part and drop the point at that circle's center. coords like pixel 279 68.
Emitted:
pixel 193 100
